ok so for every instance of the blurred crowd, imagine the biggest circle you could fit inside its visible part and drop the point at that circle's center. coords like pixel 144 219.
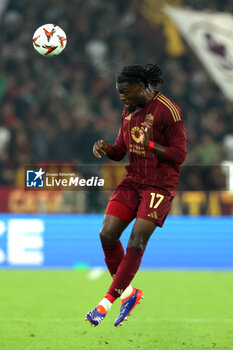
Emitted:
pixel 53 110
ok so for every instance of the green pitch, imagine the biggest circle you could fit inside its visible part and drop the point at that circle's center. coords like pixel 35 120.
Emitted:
pixel 44 310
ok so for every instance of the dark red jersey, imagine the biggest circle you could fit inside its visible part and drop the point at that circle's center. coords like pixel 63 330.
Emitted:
pixel 145 167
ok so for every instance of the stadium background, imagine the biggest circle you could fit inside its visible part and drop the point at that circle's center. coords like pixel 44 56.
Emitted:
pixel 53 110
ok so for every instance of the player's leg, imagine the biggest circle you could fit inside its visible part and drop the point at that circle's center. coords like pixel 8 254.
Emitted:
pixel 139 238
pixel 112 247
pixel 117 218
pixel 141 234
pixel 125 273
pixel 115 221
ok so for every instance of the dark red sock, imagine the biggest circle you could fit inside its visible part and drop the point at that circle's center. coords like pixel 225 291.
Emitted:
pixel 113 256
pixel 125 273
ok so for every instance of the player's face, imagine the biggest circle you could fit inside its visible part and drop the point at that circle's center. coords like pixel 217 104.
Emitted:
pixel 131 94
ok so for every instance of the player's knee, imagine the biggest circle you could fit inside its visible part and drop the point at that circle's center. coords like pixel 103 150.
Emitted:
pixel 106 235
pixel 138 240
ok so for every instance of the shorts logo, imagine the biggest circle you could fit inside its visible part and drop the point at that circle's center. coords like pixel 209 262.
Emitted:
pixel 35 178
pixel 135 133
pixel 153 215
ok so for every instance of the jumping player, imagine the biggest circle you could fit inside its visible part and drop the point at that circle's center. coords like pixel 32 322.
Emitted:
pixel 152 132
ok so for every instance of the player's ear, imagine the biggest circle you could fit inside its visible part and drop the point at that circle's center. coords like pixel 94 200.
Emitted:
pixel 140 87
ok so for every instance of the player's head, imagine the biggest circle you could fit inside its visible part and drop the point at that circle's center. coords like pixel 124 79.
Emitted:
pixel 133 82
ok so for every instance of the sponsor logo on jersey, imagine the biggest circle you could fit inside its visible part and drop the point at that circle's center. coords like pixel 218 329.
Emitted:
pixel 128 117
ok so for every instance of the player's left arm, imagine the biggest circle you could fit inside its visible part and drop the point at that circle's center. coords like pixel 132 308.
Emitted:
pixel 174 132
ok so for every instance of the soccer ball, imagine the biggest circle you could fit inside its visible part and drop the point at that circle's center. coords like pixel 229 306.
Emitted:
pixel 49 40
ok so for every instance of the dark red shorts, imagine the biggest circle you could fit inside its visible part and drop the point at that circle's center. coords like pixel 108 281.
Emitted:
pixel 141 201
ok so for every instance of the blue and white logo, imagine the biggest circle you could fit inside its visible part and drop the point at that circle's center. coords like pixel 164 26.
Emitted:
pixel 35 178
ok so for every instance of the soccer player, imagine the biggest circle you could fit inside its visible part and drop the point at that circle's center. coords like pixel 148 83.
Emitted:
pixel 152 132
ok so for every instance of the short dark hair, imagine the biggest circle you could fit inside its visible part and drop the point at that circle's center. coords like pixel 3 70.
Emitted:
pixel 149 75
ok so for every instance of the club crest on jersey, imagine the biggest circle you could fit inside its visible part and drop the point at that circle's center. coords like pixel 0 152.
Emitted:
pixel 135 133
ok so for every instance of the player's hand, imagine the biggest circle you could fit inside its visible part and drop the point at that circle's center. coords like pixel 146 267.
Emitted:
pixel 100 146
pixel 144 133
